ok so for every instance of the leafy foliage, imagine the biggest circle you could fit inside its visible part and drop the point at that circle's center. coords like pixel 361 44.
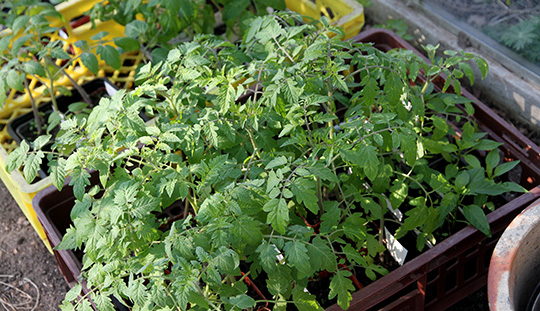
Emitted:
pixel 160 24
pixel 31 47
pixel 523 37
pixel 254 140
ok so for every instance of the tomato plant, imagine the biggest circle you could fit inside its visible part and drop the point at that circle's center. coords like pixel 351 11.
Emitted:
pixel 254 140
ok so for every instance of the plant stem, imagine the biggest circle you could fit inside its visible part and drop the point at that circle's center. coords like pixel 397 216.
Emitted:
pixel 81 91
pixel 35 111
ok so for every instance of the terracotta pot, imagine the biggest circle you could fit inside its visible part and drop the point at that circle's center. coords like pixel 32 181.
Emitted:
pixel 514 272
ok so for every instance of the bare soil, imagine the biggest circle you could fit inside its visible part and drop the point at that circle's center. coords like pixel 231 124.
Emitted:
pixel 29 276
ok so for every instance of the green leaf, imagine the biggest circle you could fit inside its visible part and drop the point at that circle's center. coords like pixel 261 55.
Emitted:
pixel 35 68
pixel 74 292
pixel 242 301
pixel 16 158
pixel 110 55
pixel 472 161
pixel 135 29
pixel 100 35
pixel 127 44
pixel 369 205
pixel 32 165
pixel 41 141
pixel 144 206
pixel 90 61
pixel 483 66
pixel 323 172
pixel 19 23
pixel 398 193
pixel 137 291
pixel 466 68
pixel 296 254
pixel 341 286
pixel 462 179
pixel 267 256
pixel 366 158
pixel 103 302
pixel 305 301
pixel 58 172
pixel 59 53
pixel 80 178
pixel 492 160
pixel 233 9
pixel 475 215
pixel 19 43
pixel 15 80
pixel 4 43
pixel 278 214
pixel 321 255
pixel 504 167
pixel 305 192
pixel 279 161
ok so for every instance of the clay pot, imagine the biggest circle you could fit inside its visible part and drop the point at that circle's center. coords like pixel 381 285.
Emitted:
pixel 514 272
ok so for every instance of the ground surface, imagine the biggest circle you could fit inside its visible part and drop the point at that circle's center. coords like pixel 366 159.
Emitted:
pixel 29 276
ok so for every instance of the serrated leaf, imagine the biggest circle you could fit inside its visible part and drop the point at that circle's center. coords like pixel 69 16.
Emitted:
pixel 323 172
pixel 35 68
pixel 305 301
pixel 321 255
pixel 135 29
pixel 80 178
pixel 398 193
pixel 242 301
pixel 475 215
pixel 15 80
pixel 59 53
pixel 296 254
pixel 58 172
pixel 90 61
pixel 100 35
pixel 144 206
pixel 366 158
pixel 272 181
pixel 279 161
pixel 74 292
pixel 103 303
pixel 278 214
pixel 305 192
pixel 32 165
pixel 341 286
pixel 19 23
pixel 41 141
pixel 4 43
pixel 16 158
pixel 267 256
pixel 127 44
pixel 110 55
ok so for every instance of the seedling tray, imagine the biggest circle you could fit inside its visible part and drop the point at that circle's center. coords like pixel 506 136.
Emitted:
pixel 458 266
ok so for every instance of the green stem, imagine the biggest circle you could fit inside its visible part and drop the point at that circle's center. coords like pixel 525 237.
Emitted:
pixel 35 111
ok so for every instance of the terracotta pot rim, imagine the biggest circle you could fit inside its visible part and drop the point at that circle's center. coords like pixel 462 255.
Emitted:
pixel 504 254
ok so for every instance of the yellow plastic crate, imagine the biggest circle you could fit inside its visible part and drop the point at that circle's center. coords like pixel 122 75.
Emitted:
pixel 348 14
pixel 18 103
